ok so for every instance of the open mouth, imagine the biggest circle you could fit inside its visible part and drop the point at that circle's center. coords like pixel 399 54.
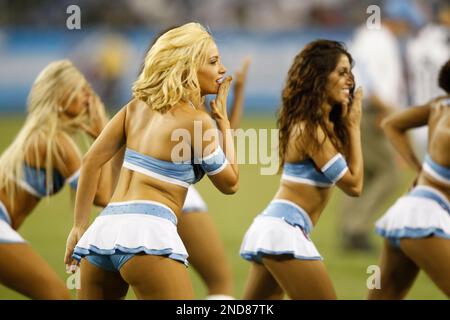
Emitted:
pixel 220 80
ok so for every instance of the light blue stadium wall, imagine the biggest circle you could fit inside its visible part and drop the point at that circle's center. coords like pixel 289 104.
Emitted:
pixel 24 52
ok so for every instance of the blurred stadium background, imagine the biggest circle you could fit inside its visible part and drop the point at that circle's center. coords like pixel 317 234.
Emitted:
pixel 109 50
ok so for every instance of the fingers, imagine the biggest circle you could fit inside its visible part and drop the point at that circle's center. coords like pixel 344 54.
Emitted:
pixel 72 267
pixel 223 92
pixel 344 110
pixel 84 127
pixel 215 112
pixel 245 65
pixel 359 93
pixel 225 85
pixel 88 130
pixel 69 261
pixel 242 72
pixel 91 102
pixel 68 256
pixel 96 109
pixel 227 81
pixel 72 241
pixel 219 105
pixel 93 106
pixel 213 106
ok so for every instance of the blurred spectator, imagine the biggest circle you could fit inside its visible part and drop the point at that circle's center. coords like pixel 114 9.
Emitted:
pixel 379 70
pixel 105 59
pixel 258 15
pixel 112 58
pixel 426 53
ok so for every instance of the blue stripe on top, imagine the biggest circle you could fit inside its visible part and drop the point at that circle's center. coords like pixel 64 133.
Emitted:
pixel 335 168
pixel 141 207
pixel 432 194
pixel 4 214
pixel 180 173
pixel 306 172
pixel 436 170
pixel 214 163
pixel 73 180
pixel 289 212
pixel 35 181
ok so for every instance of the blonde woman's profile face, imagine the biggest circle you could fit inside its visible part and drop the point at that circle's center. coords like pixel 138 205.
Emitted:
pixel 211 73
pixel 79 102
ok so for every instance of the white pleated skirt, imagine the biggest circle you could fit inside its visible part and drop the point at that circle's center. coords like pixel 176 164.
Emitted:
pixel 423 212
pixel 281 229
pixel 7 233
pixel 133 227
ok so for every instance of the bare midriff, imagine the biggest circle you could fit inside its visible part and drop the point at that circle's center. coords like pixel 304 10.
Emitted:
pixel 310 198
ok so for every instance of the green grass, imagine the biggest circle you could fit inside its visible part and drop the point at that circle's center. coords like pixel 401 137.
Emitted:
pixel 47 227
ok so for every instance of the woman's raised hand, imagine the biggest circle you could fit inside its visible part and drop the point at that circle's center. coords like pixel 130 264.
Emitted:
pixel 97 116
pixel 219 105
pixel 241 75
pixel 354 109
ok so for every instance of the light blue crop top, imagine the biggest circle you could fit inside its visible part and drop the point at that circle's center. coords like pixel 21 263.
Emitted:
pixel 35 181
pixel 437 171
pixel 179 173
pixel 306 172
pixel 4 215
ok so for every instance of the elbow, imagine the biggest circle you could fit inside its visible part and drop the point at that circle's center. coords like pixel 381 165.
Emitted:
pixel 102 198
pixel 231 189
pixel 230 184
pixel 353 188
pixel 101 201
pixel 234 188
pixel 355 191
pixel 386 124
pixel 389 126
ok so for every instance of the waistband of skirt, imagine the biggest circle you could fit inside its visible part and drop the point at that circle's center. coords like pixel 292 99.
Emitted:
pixel 289 211
pixel 146 207
pixel 432 194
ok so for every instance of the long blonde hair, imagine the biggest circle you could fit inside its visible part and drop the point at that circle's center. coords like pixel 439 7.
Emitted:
pixel 59 82
pixel 170 68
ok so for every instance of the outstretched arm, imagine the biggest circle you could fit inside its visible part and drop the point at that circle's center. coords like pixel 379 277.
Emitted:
pixel 109 142
pixel 109 173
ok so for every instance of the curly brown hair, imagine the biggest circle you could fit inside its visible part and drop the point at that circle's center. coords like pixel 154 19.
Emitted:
pixel 304 94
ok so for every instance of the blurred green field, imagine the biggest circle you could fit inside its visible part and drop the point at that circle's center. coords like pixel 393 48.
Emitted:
pixel 47 228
